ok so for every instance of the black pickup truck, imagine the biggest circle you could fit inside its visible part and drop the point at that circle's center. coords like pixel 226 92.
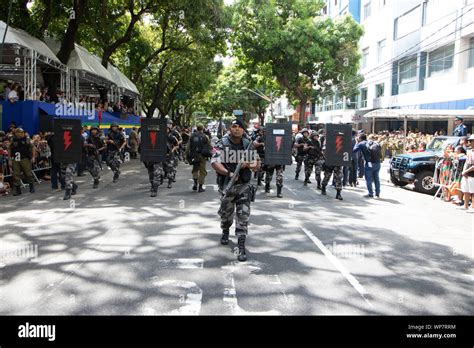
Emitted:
pixel 418 168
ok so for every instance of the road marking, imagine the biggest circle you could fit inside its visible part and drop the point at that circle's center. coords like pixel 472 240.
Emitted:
pixel 182 263
pixel 230 294
pixel 350 278
pixel 291 190
pixel 192 298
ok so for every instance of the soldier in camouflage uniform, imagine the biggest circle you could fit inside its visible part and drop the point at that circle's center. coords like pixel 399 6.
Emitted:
pixel 22 155
pixel 236 202
pixel 259 146
pixel 67 172
pixel 171 163
pixel 279 178
pixel 115 144
pixel 328 171
pixel 300 155
pixel 94 146
pixel 156 175
pixel 314 158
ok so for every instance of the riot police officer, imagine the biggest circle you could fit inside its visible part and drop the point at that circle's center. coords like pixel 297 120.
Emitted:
pixel 94 146
pixel 171 163
pixel 314 158
pixel 235 201
pixel 259 146
pixel 300 154
pixel 115 144
pixel 22 154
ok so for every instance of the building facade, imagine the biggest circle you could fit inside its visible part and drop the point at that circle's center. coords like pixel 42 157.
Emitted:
pixel 417 56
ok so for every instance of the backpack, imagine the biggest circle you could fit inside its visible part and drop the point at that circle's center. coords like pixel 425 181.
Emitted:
pixel 375 151
pixel 198 148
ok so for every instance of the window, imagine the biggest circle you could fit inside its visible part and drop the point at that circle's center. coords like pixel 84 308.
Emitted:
pixel 381 50
pixel 434 10
pixel 367 9
pixel 365 57
pixel 379 90
pixel 407 71
pixel 363 98
pixel 471 53
pixel 441 60
pixel 407 23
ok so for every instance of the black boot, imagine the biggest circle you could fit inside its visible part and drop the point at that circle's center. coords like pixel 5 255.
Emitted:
pixel 259 181
pixel 67 194
pixel 323 190
pixel 279 188
pixel 225 237
pixel 267 187
pixel 96 183
pixel 297 175
pixel 201 189
pixel 169 182
pixel 116 177
pixel 154 191
pixel 242 256
pixel 338 195
pixel 319 185
pixel 32 188
pixel 74 189
pixel 306 182
pixel 17 191
pixel 195 186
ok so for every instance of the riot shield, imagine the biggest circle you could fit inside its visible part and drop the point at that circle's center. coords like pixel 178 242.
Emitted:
pixel 153 140
pixel 278 144
pixel 338 150
pixel 67 141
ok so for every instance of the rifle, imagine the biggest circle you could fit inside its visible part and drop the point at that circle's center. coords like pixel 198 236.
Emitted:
pixel 236 174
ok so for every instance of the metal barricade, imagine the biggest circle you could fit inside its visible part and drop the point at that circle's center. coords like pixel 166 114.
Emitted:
pixel 448 173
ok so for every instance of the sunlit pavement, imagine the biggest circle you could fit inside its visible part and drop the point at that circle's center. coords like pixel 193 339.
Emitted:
pixel 115 250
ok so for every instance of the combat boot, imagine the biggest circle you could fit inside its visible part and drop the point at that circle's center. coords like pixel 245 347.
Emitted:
pixel 319 185
pixel 17 191
pixel 154 191
pixel 323 190
pixel 279 188
pixel 96 183
pixel 338 195
pixel 67 194
pixel 267 187
pixel 259 181
pixel 195 186
pixel 306 182
pixel 32 188
pixel 297 176
pixel 116 177
pixel 225 237
pixel 201 189
pixel 74 189
pixel 169 182
pixel 242 256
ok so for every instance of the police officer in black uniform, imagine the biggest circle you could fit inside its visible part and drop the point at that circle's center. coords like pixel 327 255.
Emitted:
pixel 461 129
pixel 115 144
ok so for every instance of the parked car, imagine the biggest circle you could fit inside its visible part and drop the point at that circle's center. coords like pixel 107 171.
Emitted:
pixel 418 168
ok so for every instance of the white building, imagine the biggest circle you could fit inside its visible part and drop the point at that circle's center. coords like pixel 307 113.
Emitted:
pixel 417 60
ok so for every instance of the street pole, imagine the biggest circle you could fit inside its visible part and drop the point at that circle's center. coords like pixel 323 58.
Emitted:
pixel 271 105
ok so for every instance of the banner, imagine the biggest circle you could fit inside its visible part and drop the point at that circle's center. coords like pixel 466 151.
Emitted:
pixel 153 140
pixel 67 141
pixel 278 144
pixel 338 150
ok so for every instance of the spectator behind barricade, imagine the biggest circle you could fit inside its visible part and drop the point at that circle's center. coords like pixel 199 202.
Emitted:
pixel 13 95
pixel 467 181
pixel 459 157
pixel 7 91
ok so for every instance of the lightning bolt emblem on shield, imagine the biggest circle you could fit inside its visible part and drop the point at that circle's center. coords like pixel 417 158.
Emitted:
pixel 278 143
pixel 67 139
pixel 153 138
pixel 339 143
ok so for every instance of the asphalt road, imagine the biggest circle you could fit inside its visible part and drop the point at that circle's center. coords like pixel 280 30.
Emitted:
pixel 115 250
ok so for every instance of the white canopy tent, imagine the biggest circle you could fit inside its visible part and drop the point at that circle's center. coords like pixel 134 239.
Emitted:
pixel 23 54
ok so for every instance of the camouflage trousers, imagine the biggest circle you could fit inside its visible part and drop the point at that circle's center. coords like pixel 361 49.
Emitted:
pixel 299 163
pixel 94 167
pixel 113 161
pixel 236 203
pixel 309 163
pixel 170 166
pixel 155 173
pixel 328 171
pixel 269 174
pixel 67 171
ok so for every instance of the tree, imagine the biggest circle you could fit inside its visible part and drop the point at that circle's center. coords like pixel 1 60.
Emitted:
pixel 308 53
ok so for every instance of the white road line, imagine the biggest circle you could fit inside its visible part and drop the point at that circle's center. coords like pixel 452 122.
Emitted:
pixel 350 278
pixel 182 263
pixel 291 190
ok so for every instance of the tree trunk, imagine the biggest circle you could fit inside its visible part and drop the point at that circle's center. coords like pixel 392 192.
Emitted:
pixel 302 120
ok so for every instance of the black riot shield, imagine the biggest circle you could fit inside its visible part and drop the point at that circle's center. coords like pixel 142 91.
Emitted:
pixel 278 144
pixel 67 141
pixel 153 140
pixel 338 144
